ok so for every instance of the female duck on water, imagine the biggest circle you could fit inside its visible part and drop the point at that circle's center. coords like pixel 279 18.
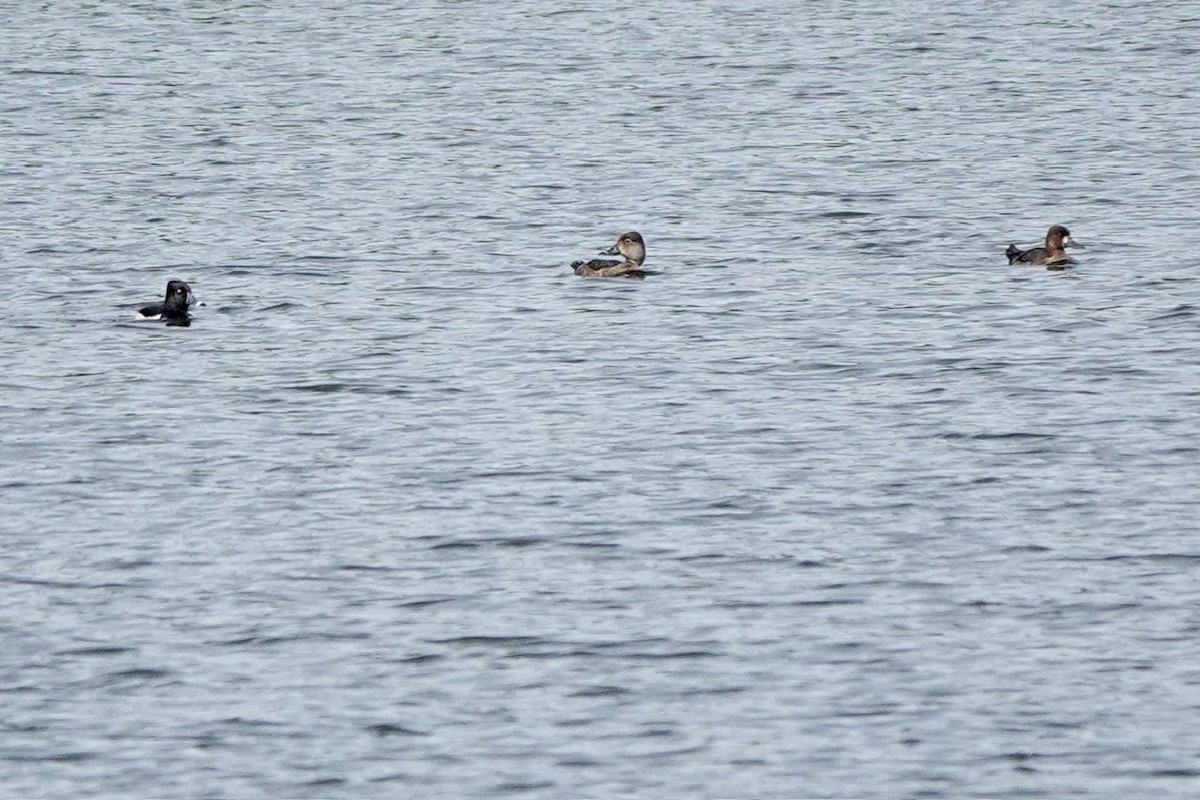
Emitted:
pixel 631 246
pixel 1052 254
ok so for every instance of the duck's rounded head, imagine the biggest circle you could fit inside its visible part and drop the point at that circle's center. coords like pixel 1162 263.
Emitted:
pixel 1058 236
pixel 179 297
pixel 631 245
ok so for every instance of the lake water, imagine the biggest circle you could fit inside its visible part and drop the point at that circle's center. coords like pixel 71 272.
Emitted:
pixel 837 504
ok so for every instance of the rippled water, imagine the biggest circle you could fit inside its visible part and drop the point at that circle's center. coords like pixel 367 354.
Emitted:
pixel 838 504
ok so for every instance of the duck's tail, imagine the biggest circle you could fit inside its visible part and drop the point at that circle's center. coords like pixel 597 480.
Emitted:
pixel 1013 252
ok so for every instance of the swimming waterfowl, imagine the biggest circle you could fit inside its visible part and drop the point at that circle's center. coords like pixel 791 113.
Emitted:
pixel 174 308
pixel 1051 254
pixel 629 245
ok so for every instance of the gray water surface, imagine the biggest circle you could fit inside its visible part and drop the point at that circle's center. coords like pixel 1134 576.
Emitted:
pixel 836 505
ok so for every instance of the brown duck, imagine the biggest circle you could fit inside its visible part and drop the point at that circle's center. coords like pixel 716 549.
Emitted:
pixel 1052 254
pixel 629 245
